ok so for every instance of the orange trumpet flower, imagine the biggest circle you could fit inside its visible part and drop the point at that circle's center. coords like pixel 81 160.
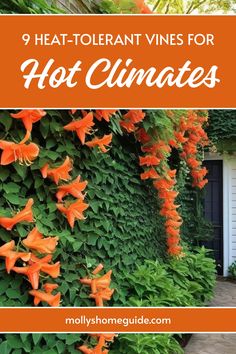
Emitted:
pixel 97 350
pixel 98 269
pixel 35 241
pixel 180 137
pixel 171 173
pixel 11 256
pixel 74 188
pixel 101 283
pixel 198 174
pixel 32 273
pixel 130 118
pixel 13 152
pixel 101 143
pixel 52 300
pixel 142 136
pixel 24 215
pixel 164 194
pixel 101 295
pixel 104 114
pixel 7 247
pixel 164 184
pixel 51 269
pixel 36 265
pixel 45 259
pixel 149 160
pixel 173 240
pixel 172 232
pixel 98 283
pixel 201 184
pixel 157 148
pixel 152 173
pixel 173 214
pixel 135 116
pixel 192 162
pixel 173 143
pixel 48 287
pixel 150 148
pixel 29 116
pixel 81 127
pixel 73 211
pixel 169 204
pixel 128 125
pixel 58 173
pixel 175 250
pixel 173 223
pixel 107 337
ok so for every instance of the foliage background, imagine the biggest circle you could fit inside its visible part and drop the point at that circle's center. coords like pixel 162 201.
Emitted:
pixel 122 230
pixel 222 129
pixel 121 226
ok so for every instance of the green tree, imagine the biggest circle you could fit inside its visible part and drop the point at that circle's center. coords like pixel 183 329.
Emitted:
pixel 193 6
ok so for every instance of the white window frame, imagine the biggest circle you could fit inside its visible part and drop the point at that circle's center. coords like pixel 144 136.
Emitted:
pixel 227 206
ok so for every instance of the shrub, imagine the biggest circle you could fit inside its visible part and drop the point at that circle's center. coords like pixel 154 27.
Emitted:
pixel 188 281
pixel 195 273
pixel 147 344
pixel 232 270
pixel 152 285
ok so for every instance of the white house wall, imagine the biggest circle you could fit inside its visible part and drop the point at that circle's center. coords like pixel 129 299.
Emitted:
pixel 232 216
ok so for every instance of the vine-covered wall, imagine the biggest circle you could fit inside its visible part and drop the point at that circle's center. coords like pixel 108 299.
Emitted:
pixel 122 225
pixel 222 129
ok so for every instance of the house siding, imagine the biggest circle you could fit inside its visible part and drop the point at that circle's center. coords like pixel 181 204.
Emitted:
pixel 233 209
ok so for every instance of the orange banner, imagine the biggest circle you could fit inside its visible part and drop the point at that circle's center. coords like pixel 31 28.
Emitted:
pixel 118 320
pixel 125 61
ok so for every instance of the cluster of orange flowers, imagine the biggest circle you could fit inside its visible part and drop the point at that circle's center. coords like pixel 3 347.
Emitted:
pixel 26 153
pixel 72 210
pixel 83 127
pixel 169 211
pixel 100 292
pixel 22 152
pixel 103 339
pixel 33 266
pixel 130 119
pixel 100 286
pixel 196 136
pixel 188 135
pixel 157 152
